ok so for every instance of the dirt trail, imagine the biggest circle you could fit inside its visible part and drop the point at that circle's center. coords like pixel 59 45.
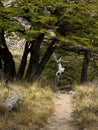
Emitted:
pixel 62 118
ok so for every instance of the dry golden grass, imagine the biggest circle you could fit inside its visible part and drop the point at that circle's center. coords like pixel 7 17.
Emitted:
pixel 85 103
pixel 32 111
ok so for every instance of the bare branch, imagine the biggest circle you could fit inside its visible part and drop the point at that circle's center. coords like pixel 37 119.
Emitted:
pixel 10 103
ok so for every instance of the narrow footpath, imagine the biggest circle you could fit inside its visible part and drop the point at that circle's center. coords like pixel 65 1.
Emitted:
pixel 62 118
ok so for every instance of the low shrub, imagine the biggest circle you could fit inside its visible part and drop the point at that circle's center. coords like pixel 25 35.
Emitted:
pixel 31 112
pixel 85 102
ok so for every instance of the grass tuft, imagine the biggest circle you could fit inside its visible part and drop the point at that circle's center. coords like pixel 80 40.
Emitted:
pixel 85 102
pixel 31 112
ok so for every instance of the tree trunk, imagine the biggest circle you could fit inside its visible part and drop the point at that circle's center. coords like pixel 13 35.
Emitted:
pixel 9 65
pixel 23 64
pixel 0 64
pixel 34 56
pixel 6 57
pixel 44 61
pixel 85 67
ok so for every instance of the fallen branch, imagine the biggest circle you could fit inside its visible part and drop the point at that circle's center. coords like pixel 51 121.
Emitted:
pixel 10 103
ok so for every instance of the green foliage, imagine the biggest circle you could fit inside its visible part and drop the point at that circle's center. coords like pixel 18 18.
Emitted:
pixel 70 18
pixel 78 23
pixel 74 24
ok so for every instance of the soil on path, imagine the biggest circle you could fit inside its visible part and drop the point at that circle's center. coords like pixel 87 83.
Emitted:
pixel 62 118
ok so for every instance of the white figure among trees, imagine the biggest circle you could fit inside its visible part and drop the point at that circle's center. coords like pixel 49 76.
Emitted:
pixel 60 68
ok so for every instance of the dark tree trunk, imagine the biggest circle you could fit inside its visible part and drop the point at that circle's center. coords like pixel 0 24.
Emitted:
pixel 0 58
pixel 23 64
pixel 44 61
pixel 9 65
pixel 6 57
pixel 0 63
pixel 85 64
pixel 34 56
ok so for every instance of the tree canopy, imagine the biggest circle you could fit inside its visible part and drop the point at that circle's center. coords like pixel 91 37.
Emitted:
pixel 71 25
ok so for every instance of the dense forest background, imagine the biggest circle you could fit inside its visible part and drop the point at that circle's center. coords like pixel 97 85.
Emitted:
pixel 68 28
pixel 44 44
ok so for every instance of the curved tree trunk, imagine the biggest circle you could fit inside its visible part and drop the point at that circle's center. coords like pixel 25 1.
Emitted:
pixel 0 64
pixel 44 61
pixel 23 64
pixel 34 56
pixel 6 57
pixel 9 65
pixel 85 64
